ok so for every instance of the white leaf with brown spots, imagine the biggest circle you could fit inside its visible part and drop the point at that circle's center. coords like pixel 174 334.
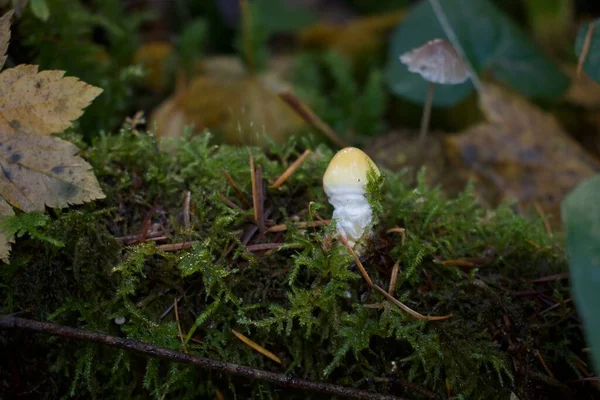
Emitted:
pixel 41 103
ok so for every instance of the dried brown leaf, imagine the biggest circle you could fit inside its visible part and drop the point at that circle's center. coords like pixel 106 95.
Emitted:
pixel 4 36
pixel 522 152
pixel 225 97
pixel 38 171
pixel 41 103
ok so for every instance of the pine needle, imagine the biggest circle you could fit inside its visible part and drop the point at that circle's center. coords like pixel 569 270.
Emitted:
pixel 310 117
pixel 586 48
pixel 409 310
pixel 256 347
pixel 290 170
pixel 299 225
pixel 361 268
pixel 179 324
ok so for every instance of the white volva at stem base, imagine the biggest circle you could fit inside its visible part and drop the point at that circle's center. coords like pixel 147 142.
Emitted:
pixel 352 213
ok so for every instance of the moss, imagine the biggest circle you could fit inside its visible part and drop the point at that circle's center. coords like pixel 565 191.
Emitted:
pixel 305 301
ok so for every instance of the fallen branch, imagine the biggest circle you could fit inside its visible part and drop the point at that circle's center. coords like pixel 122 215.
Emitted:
pixel 8 322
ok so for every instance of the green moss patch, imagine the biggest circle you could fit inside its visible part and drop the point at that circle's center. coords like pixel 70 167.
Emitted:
pixel 301 296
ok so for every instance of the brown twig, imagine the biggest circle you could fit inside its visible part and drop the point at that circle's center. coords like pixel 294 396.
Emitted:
pixel 254 190
pixel 263 246
pixel 310 117
pixel 394 278
pixel 399 230
pixel 585 49
pixel 260 201
pixel 256 346
pixel 230 203
pixel 8 322
pixel 539 356
pixel 459 263
pixel 549 278
pixel 139 236
pixel 186 209
pixel 238 192
pixel 175 246
pixel 409 310
pixel 290 170
pixel 300 225
pixel 542 215
pixel 175 300
pixel 361 268
pixel 555 306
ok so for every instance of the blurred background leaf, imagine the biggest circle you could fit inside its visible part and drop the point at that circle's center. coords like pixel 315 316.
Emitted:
pixel 581 217
pixel 40 9
pixel 492 42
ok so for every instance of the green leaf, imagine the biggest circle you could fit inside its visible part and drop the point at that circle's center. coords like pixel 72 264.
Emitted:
pixel 280 16
pixel 492 42
pixel 592 62
pixel 581 217
pixel 190 44
pixel 40 9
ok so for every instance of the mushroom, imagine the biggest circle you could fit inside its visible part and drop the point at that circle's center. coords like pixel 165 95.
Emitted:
pixel 437 62
pixel 344 183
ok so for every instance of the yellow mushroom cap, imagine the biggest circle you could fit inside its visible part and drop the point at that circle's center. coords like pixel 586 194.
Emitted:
pixel 348 167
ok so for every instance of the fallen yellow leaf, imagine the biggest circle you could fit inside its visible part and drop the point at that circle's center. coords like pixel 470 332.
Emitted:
pixel 241 106
pixel 41 103
pixel 153 56
pixel 522 152
pixel 353 39
pixel 38 170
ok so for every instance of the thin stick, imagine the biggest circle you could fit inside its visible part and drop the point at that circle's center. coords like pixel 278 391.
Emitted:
pixel 186 209
pixel 9 322
pixel 230 203
pixel 427 111
pixel 555 306
pixel 459 263
pixel 253 183
pixel 361 268
pixel 299 225
pixel 263 246
pixel 441 16
pixel 541 213
pixel 310 117
pixel 539 356
pixel 586 48
pixel 139 236
pixel 260 200
pixel 394 278
pixel 239 193
pixel 256 346
pixel 175 300
pixel 556 277
pixel 408 310
pixel 290 170
pixel 175 246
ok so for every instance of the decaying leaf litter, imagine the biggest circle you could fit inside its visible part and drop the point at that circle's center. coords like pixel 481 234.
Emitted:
pixel 434 248
pixel 40 171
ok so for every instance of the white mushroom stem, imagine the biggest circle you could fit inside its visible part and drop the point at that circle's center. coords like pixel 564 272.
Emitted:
pixel 427 111
pixel 352 212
